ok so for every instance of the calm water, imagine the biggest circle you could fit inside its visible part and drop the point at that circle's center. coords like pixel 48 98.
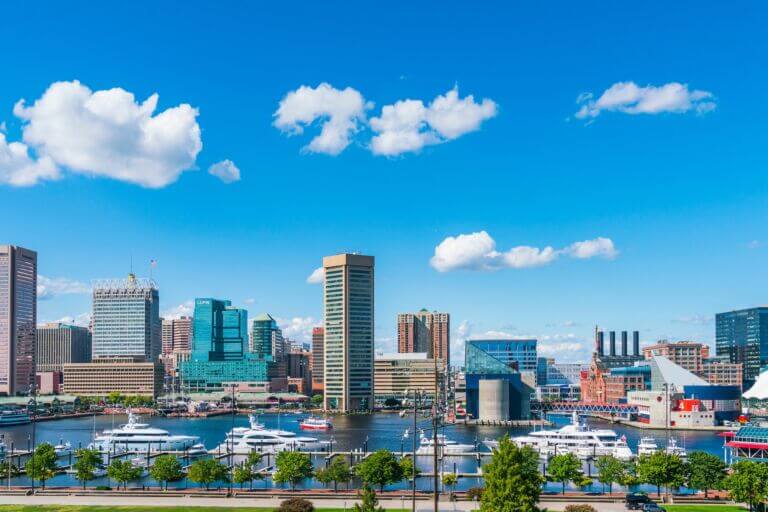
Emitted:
pixel 349 433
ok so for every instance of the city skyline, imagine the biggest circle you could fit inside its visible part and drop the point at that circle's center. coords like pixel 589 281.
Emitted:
pixel 557 184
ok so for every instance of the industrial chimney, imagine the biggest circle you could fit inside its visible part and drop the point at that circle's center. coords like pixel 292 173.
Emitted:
pixel 624 343
pixel 636 342
pixel 612 341
pixel 600 343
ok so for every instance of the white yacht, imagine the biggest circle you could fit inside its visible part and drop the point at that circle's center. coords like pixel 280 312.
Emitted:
pixel 576 438
pixel 136 436
pixel 647 446
pixel 243 440
pixel 63 449
pixel 675 449
pixel 445 446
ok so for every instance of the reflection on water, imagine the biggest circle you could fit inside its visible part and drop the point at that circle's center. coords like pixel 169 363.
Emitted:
pixel 349 433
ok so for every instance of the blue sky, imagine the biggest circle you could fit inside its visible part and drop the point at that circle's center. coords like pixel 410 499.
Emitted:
pixel 675 179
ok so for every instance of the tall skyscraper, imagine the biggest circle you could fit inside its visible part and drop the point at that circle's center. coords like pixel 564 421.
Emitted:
pixel 126 318
pixel 265 338
pixel 177 335
pixel 58 344
pixel 18 319
pixel 318 359
pixel 425 331
pixel 348 314
pixel 742 337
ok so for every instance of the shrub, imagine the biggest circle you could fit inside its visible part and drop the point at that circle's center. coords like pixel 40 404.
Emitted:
pixel 475 493
pixel 296 505
pixel 580 508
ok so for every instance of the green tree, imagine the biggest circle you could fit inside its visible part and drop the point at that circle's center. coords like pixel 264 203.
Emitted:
pixel 42 464
pixel 114 398
pixel 450 480
pixel 85 465
pixel 6 467
pixel 705 472
pixel 748 483
pixel 407 466
pixel 123 471
pixel 512 479
pixel 166 468
pixel 337 471
pixel 253 459
pixel 242 474
pixel 317 400
pixel 609 470
pixel 369 501
pixel 661 469
pixel 380 468
pixel 292 467
pixel 564 468
pixel 208 471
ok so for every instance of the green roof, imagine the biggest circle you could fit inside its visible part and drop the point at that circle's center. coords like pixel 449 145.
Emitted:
pixel 264 317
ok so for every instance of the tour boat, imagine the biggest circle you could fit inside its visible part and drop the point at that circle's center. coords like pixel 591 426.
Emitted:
pixel 313 423
pixel 674 449
pixel 136 436
pixel 10 417
pixel 445 446
pixel 647 446
pixel 577 438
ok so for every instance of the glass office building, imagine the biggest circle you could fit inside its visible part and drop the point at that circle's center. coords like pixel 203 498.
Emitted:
pixel 496 360
pixel 126 318
pixel 742 337
pixel 263 334
pixel 220 356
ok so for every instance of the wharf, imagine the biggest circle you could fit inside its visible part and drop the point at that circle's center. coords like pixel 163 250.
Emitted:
pixel 507 423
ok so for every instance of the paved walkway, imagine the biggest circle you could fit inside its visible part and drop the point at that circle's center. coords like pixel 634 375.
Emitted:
pixel 186 501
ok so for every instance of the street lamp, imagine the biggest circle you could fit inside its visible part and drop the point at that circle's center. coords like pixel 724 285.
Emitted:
pixel 32 391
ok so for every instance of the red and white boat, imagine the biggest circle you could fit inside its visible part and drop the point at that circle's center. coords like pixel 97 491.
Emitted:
pixel 312 423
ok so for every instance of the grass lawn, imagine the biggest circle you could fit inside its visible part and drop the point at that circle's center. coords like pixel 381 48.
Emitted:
pixel 91 508
pixel 704 508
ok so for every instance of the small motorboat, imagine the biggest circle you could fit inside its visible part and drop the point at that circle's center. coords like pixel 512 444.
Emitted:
pixel 313 423
pixel 62 449
pixel 647 446
pixel 197 449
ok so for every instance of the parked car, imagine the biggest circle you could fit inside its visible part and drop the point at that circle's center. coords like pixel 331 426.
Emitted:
pixel 653 507
pixel 636 500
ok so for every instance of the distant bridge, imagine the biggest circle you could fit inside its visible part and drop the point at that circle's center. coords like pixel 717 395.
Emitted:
pixel 613 409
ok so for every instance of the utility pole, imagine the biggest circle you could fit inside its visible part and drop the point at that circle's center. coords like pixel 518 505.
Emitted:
pixel 435 424
pixel 33 390
pixel 413 490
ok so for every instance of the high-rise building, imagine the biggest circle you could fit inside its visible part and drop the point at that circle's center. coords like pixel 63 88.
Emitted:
pixel 318 355
pixel 58 344
pixel 396 374
pixel 126 318
pixel 18 319
pixel 177 335
pixel 427 332
pixel 220 357
pixel 688 354
pixel 742 336
pixel 518 354
pixel 348 315
pixel 264 336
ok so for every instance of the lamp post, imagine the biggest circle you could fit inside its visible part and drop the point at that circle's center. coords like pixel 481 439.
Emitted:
pixel 232 447
pixel 33 391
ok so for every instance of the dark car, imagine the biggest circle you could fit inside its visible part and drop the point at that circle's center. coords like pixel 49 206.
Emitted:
pixel 636 500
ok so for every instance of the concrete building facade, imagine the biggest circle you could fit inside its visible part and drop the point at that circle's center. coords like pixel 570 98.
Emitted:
pixel 318 359
pixel 425 331
pixel 126 375
pixel 348 304
pixel 59 343
pixel 18 319
pixel 397 373
pixel 688 354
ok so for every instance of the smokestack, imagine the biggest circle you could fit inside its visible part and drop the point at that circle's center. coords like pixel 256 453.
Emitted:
pixel 636 342
pixel 612 341
pixel 624 343
pixel 600 343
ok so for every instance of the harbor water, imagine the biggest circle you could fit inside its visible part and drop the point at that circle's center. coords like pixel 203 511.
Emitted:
pixel 364 432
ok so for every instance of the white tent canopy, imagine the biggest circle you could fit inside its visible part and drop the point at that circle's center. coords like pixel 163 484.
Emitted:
pixel 759 389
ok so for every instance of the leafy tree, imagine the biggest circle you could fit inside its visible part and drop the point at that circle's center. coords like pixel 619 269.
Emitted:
pixel 564 468
pixel 629 478
pixel 292 467
pixel 705 472
pixel 406 464
pixel 6 466
pixel 42 465
pixel 317 400
pixel 369 501
pixel 609 470
pixel 450 480
pixel 380 468
pixel 253 458
pixel 337 471
pixel 748 483
pixel 242 474
pixel 85 465
pixel 114 398
pixel 512 479
pixel 661 469
pixel 166 468
pixel 123 471
pixel 208 471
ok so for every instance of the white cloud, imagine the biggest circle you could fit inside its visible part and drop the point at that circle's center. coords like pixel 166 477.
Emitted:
pixel 317 276
pixel 226 171
pixel 341 111
pixel 102 133
pixel 408 125
pixel 298 328
pixel 48 287
pixel 82 320
pixel 250 300
pixel 186 308
pixel 695 319
pixel 753 244
pixel 477 251
pixel 629 98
